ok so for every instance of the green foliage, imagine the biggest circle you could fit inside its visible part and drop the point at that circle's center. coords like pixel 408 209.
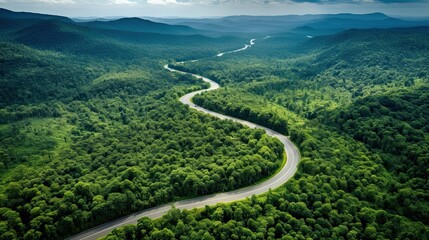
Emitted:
pixel 356 105
pixel 265 116
pixel 91 129
pixel 29 75
pixel 119 160
pixel 282 215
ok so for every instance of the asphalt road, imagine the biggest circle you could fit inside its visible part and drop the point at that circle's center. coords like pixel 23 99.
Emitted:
pixel 276 181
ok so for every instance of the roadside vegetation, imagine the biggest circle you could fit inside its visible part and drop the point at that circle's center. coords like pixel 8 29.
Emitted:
pixel 89 135
pixel 355 104
pixel 91 130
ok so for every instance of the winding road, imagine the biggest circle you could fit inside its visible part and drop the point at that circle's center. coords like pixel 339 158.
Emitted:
pixel 277 180
pixel 246 46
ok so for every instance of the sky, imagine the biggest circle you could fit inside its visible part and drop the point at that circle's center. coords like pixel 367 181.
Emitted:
pixel 215 8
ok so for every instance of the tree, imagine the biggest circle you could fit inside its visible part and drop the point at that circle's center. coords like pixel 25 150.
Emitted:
pixel 165 233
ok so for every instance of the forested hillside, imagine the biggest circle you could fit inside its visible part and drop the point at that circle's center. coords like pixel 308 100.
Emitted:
pixel 356 103
pixel 91 128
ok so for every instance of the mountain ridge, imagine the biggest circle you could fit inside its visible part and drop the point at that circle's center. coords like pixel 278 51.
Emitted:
pixel 135 24
pixel 285 23
pixel 5 13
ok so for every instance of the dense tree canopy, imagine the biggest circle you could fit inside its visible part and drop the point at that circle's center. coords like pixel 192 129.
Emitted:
pixel 86 138
pixel 356 105
pixel 91 130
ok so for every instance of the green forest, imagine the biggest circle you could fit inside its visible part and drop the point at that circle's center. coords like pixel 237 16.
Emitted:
pixel 357 107
pixel 87 138
pixel 91 130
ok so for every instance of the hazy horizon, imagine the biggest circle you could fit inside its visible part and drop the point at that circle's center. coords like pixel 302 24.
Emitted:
pixel 214 8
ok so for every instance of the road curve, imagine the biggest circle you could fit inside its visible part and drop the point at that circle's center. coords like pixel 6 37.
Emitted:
pixel 277 180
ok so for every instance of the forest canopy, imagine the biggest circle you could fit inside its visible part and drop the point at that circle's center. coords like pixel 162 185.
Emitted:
pixel 91 130
pixel 356 104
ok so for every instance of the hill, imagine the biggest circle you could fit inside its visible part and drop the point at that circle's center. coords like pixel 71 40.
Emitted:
pixel 70 44
pixel 5 13
pixel 141 25
pixel 325 23
pixel 10 20
pixel 84 40
pixel 357 44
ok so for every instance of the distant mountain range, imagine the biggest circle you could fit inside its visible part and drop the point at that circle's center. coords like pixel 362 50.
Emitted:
pixel 122 38
pixel 10 20
pixel 54 34
pixel 319 24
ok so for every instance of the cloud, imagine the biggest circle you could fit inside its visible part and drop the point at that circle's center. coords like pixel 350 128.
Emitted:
pixel 167 2
pixel 208 2
pixel 402 1
pixel 268 2
pixel 354 1
pixel 56 1
pixel 124 2
pixel 38 1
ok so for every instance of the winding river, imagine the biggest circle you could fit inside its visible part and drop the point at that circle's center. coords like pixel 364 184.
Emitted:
pixel 286 173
